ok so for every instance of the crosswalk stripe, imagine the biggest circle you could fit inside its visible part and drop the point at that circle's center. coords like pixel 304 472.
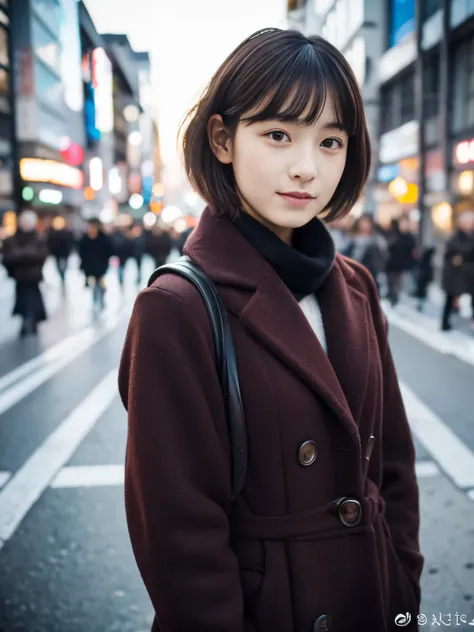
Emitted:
pixel 453 456
pixel 89 476
pixel 15 393
pixel 4 477
pixel 29 482
pixel 48 356
pixel 426 469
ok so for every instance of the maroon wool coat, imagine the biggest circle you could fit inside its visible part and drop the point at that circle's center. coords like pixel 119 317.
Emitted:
pixel 279 558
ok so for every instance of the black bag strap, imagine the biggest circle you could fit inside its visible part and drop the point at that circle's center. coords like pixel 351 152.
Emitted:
pixel 226 362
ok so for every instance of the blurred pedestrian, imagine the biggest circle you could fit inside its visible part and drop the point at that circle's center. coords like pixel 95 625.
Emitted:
pixel 181 239
pixel 328 514
pixel 138 238
pixel 401 257
pixel 124 249
pixel 60 244
pixel 458 271
pixel 95 250
pixel 24 254
pixel 366 246
pixel 159 245
pixel 423 275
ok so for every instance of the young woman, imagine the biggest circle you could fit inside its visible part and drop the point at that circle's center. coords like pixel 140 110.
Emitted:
pixel 324 535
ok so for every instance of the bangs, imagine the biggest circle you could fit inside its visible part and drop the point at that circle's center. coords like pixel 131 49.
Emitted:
pixel 297 90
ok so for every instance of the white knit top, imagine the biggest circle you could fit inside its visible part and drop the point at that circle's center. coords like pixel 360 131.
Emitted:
pixel 310 306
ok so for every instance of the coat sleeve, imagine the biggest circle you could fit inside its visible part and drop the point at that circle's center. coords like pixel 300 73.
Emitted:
pixel 177 473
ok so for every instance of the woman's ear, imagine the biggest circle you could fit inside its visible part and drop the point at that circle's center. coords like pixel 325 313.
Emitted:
pixel 219 139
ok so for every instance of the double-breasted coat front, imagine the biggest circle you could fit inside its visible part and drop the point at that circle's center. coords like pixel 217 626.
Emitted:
pixel 324 535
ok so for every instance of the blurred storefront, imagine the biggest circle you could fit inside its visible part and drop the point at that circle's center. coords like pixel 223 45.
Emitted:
pixel 97 83
pixel 49 106
pixel 427 114
pixel 6 120
pixel 127 115
pixel 461 145
pixel 397 176
pixel 462 176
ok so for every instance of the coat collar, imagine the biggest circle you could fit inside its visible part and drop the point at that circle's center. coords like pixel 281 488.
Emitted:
pixel 252 290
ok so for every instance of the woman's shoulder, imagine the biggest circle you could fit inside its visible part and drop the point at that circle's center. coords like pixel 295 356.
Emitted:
pixel 176 289
pixel 359 278
pixel 172 304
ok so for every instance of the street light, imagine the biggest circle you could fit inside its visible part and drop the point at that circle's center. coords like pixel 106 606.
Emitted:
pixel 149 220
pixel 131 113
pixel 135 138
pixel 136 201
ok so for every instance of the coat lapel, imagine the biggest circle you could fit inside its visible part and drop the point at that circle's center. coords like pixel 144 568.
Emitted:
pixel 345 312
pixel 276 319
pixel 252 289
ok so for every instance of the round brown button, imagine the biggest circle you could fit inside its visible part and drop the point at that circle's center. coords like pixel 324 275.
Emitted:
pixel 322 623
pixel 350 512
pixel 307 453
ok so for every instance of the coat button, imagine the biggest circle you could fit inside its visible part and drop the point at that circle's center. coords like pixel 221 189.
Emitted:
pixel 350 512
pixel 323 623
pixel 370 447
pixel 307 453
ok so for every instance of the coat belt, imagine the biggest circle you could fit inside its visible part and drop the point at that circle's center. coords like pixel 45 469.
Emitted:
pixel 317 523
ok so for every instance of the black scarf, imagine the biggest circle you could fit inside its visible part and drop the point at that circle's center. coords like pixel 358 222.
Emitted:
pixel 304 266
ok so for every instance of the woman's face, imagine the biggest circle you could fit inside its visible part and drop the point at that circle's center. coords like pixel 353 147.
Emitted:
pixel 272 159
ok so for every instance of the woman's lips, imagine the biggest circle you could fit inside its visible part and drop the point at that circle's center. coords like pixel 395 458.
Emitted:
pixel 296 201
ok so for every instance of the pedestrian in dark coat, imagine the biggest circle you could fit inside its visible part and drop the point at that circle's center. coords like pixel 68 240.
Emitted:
pixel 324 534
pixel 424 275
pixel 458 271
pixel 24 255
pixel 95 250
pixel 60 245
pixel 159 245
pixel 366 246
pixel 401 257
pixel 123 244
pixel 182 238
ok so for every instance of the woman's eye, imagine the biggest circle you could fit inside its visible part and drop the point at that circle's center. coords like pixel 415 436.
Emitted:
pixel 278 137
pixel 332 143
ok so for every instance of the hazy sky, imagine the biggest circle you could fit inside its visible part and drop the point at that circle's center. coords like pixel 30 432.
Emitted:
pixel 187 40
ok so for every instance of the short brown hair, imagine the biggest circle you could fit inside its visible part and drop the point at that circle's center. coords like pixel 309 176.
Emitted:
pixel 258 77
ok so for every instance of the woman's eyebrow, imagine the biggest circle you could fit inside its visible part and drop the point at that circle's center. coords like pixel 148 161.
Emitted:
pixel 302 123
pixel 334 125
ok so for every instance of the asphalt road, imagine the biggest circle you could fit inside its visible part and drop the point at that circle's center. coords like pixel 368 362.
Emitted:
pixel 66 563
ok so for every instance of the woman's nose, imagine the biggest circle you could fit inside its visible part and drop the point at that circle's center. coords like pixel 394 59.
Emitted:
pixel 304 167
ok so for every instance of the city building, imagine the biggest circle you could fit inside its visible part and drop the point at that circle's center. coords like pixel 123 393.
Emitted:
pixel 97 85
pixel 48 105
pixel 127 114
pixel 427 99
pixel 147 126
pixel 7 135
